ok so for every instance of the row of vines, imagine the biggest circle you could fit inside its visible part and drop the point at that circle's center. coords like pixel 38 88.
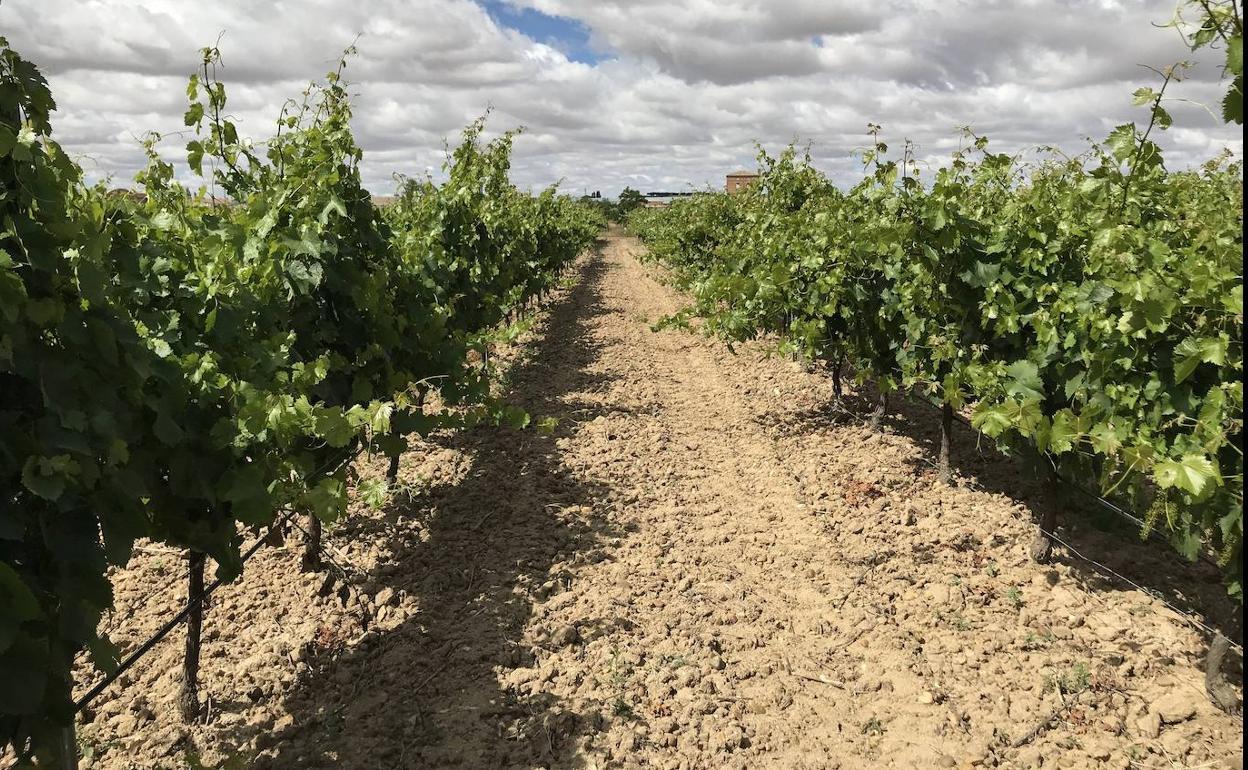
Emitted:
pixel 188 366
pixel 1087 311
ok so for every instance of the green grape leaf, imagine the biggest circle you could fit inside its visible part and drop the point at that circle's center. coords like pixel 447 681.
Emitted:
pixel 1143 96
pixel 380 419
pixel 1193 474
pixel 22 671
pixel 48 485
pixel 1121 141
pixel 990 419
pixel 194 114
pixel 1024 380
pixel 327 500
pixel 515 417
pixel 167 429
pixel 335 428
pixel 1233 102
pixel 104 654
pixel 17 605
pixel 373 493
pixel 1064 432
pixel 1194 351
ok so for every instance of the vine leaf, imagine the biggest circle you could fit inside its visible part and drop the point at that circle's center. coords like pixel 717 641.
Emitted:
pixel 1194 474
pixel 1194 351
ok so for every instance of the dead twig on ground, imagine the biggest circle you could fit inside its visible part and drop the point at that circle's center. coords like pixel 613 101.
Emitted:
pixel 1045 724
pixel 820 678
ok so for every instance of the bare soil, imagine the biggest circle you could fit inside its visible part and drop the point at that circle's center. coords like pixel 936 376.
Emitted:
pixel 702 566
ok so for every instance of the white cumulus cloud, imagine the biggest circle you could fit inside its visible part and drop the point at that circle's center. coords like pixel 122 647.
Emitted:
pixel 674 96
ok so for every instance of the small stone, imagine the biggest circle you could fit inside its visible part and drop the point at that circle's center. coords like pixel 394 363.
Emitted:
pixel 1108 632
pixel 385 596
pixel 565 636
pixel 1174 707
pixel 687 677
pixel 1098 749
pixel 126 724
pixel 628 743
pixel 728 738
pixel 978 751
pixel 1149 725
pixel 927 698
pixel 166 740
pixel 253 663
pixel 946 761
pixel 1176 743
pixel 265 740
pixel 1112 725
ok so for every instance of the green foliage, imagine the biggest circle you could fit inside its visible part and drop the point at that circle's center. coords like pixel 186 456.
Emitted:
pixel 629 201
pixel 82 398
pixel 1218 24
pixel 1072 681
pixel 183 366
pixel 1091 307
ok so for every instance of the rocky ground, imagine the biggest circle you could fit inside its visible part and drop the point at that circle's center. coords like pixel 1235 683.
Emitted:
pixel 702 566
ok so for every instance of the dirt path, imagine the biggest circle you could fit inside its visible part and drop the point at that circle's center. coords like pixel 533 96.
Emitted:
pixel 698 568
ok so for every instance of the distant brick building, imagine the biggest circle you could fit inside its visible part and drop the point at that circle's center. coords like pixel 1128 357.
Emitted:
pixel 738 179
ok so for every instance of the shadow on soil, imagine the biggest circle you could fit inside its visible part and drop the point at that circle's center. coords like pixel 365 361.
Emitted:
pixel 427 693
pixel 1086 525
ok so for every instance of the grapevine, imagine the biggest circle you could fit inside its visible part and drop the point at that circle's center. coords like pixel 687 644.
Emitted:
pixel 1089 309
pixel 186 364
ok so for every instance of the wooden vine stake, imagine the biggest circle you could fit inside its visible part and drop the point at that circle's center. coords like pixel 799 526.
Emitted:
pixel 312 544
pixel 67 749
pixel 188 699
pixel 1221 693
pixel 392 472
pixel 838 390
pixel 877 414
pixel 944 471
pixel 1041 548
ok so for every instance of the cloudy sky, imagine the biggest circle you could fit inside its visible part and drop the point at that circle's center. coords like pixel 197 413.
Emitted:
pixel 649 93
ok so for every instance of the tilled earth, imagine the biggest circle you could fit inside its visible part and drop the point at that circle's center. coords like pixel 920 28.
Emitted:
pixel 704 565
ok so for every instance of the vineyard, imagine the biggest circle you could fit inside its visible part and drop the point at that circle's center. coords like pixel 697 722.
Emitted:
pixel 1087 311
pixel 941 468
pixel 191 367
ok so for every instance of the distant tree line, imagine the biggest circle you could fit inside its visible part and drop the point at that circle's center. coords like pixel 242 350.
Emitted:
pixel 616 210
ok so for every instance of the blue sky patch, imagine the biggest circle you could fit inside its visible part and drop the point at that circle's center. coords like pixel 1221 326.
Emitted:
pixel 563 34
